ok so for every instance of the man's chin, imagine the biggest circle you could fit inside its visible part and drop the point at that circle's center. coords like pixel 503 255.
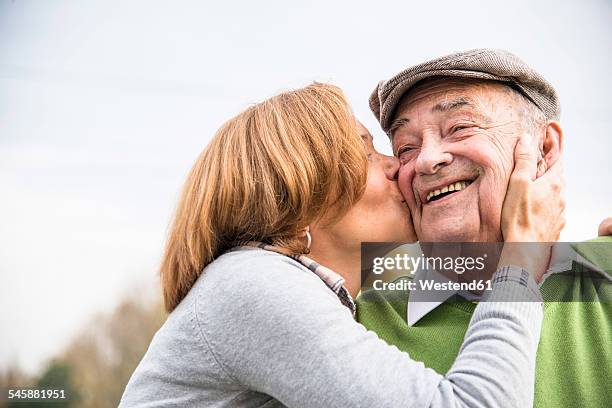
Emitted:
pixel 447 231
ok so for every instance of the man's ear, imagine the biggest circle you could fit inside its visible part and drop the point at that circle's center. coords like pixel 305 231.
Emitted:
pixel 551 146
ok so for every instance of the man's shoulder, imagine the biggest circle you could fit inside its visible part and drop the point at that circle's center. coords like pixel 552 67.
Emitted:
pixel 587 277
pixel 597 251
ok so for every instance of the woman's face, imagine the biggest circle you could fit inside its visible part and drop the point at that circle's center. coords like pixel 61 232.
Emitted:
pixel 381 215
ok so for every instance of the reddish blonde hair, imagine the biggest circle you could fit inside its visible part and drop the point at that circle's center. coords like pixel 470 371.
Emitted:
pixel 267 173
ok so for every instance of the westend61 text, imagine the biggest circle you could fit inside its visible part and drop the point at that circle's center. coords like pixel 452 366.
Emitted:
pixel 430 285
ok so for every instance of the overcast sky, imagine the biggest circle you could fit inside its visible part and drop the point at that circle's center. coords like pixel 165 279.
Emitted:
pixel 105 105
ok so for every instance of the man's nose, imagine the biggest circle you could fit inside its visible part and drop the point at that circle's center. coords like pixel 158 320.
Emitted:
pixel 391 167
pixel 432 157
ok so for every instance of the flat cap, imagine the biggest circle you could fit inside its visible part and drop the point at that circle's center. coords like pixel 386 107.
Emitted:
pixel 497 65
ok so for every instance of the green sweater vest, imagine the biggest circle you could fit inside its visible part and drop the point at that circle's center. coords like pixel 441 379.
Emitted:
pixel 574 360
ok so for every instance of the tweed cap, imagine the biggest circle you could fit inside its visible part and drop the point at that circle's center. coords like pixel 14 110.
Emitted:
pixel 497 65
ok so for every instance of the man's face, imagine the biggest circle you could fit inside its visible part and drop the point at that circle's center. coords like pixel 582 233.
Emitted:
pixel 455 140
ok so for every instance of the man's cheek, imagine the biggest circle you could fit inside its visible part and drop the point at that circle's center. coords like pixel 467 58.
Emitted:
pixel 404 181
pixel 491 198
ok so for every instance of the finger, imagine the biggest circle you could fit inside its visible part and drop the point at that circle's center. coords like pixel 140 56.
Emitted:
pixel 557 166
pixel 525 157
pixel 554 177
pixel 605 228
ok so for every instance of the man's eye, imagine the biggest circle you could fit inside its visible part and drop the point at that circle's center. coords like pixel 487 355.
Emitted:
pixel 404 149
pixel 457 128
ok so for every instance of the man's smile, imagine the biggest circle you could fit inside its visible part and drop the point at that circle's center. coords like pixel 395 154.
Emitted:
pixel 447 190
pixel 444 189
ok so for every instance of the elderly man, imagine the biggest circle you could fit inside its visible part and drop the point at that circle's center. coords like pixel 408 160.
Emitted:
pixel 453 123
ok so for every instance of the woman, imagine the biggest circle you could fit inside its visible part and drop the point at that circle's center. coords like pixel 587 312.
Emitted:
pixel 251 326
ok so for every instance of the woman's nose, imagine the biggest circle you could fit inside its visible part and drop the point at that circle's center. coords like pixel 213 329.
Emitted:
pixel 391 167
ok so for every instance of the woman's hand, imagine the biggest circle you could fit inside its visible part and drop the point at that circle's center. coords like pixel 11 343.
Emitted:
pixel 605 228
pixel 533 210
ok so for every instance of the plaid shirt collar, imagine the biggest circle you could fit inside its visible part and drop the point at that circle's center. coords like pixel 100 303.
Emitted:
pixel 332 279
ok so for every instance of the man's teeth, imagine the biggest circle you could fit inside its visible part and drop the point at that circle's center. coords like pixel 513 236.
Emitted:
pixel 458 186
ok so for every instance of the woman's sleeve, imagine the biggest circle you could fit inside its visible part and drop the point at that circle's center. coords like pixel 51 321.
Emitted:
pixel 276 328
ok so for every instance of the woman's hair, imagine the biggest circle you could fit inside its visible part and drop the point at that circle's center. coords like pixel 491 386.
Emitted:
pixel 267 174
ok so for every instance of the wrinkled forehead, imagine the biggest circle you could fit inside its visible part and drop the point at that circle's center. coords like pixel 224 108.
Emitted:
pixel 446 93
